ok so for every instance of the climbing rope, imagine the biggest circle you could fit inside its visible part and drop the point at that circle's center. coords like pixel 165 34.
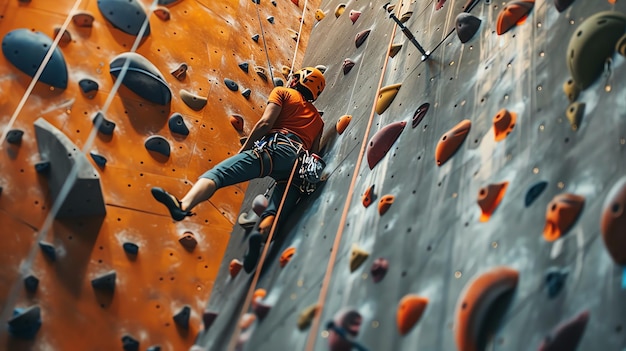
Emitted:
pixel 295 51
pixel 344 215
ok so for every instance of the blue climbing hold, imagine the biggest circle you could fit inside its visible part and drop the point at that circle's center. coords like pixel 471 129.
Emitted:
pixel 130 248
pixel 129 343
pixel 244 66
pixel 533 193
pixel 125 15
pixel 31 283
pixel 42 167
pixel 231 84
pixel 181 318
pixel 89 87
pixel 103 125
pixel 255 38
pixel 15 136
pixel 25 322
pixel 158 144
pixel 48 250
pixel 555 280
pixel 142 77
pixel 246 93
pixel 100 160
pixel 105 282
pixel 177 125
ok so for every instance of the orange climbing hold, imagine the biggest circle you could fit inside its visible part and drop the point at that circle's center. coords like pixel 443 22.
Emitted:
pixel 451 141
pixel 342 123
pixel 489 198
pixel 237 122
pixel 613 222
pixel 259 294
pixel 394 49
pixel 188 241
pixel 368 196
pixel 234 267
pixel 561 214
pixel 476 298
pixel 512 14
pixel 385 203
pixel 286 256
pixel 386 96
pixel 503 123
pixel 357 257
pixel 410 310
pixel 382 141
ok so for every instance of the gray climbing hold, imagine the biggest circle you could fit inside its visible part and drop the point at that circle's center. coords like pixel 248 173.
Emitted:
pixel 48 250
pixel 100 160
pixel 270 19
pixel 85 197
pixel 42 167
pixel 181 318
pixel 177 125
pixel 130 248
pixel 15 136
pixel 89 87
pixel 158 144
pixel 142 77
pixel 466 26
pixel 244 66
pixel 105 282
pixel 246 93
pixel 25 322
pixel 129 343
pixel 195 102
pixel 26 50
pixel 255 38
pixel 125 15
pixel 103 125
pixel 31 283
pixel 231 84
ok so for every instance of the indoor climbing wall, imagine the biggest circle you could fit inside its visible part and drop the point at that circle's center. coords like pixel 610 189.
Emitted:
pixel 475 188
pixel 99 102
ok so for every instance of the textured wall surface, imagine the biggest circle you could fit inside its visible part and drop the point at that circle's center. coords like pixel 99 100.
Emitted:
pixel 432 235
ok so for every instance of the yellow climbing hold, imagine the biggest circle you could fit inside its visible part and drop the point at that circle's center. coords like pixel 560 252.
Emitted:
pixel 357 257
pixel 395 48
pixel 319 15
pixel 574 113
pixel 386 96
pixel 339 10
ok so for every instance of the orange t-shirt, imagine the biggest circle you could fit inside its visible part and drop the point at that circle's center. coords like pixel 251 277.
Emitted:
pixel 297 115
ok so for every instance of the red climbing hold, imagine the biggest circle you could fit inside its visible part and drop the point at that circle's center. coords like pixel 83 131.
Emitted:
pixel 368 196
pixel 361 37
pixel 234 267
pixel 451 141
pixel 354 15
pixel 286 256
pixel 513 13
pixel 385 203
pixel 561 214
pixel 379 269
pixel 566 335
pixel 410 310
pixel 347 65
pixel 237 122
pixel 382 141
pixel 489 198
pixel 613 224
pixel 503 123
pixel 439 4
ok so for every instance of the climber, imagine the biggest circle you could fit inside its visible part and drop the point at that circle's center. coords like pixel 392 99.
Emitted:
pixel 289 125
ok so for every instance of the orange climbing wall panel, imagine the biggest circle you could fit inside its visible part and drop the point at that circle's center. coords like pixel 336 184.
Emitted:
pixel 212 38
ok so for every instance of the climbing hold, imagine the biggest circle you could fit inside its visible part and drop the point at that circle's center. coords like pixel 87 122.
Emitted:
pixel 66 37
pixel 562 5
pixel 513 13
pixel 555 280
pixel 466 26
pixel 181 318
pixel 48 250
pixel 567 335
pixel 231 84
pixel 394 49
pixel 592 44
pixel 620 46
pixel 384 203
pixel 177 125
pixel 246 93
pixel 14 136
pixel 163 13
pixel 42 167
pixel 295 2
pixel 154 348
pixel 31 283
pixel 343 329
pixel 613 222
pixel 255 38
pixel 286 256
pixel 419 114
pixel 342 123
pixel 451 141
pixel 357 257
pixel 386 96
pixel 354 15
pixel 261 72
pixel 195 102
pixel 439 4
pixel 347 65
pixel 129 343
pixel 339 10
pixel 181 72
pixel 382 141
pixel 83 19
pixel 89 87
pixel 261 309
pixel 306 317
pixel 274 3
pixel 103 125
pixel 247 220
pixel 379 269
pixel 244 66
pixel 575 113
pixel 477 297
pixel 130 248
pixel 105 282
pixel 25 322
pixel 234 267
pixel 286 71
pixel 188 241
pixel 533 193
pixel 561 214
pixel 368 196
pixel 319 14
pixel 237 122
pixel 259 204
pixel 503 123
pixel 489 198
pixel 270 19
pixel 125 15
pixel 246 320
pixel 208 317
pixel 278 82
pixel 293 34
pixel 26 50
pixel 571 90
pixel 142 77
pixel 258 294
pixel 158 144
pixel 361 37
pixel 410 310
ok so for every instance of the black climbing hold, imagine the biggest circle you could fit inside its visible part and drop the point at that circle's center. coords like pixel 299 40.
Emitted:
pixel 177 124
pixel 466 26
pixel 105 282
pixel 154 348
pixel 278 82
pixel 158 144
pixel 562 5
pixel 142 77
pixel 181 318
pixel 244 66
pixel 167 2
pixel 100 160
pixel 246 93
pixel 256 1
pixel 48 250
pixel 208 317
pixel 25 322
pixel 231 84
pixel 419 114
pixel 26 50
pixel 31 283
pixel 129 343
pixel 42 167
pixel 555 280
pixel 104 126
pixel 270 19
pixel 88 86
pixel 255 38
pixel 125 15
pixel 273 2
pixel 15 136
pixel 533 193
pixel 130 248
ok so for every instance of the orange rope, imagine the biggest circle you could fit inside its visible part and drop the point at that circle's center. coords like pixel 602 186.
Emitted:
pixel 342 223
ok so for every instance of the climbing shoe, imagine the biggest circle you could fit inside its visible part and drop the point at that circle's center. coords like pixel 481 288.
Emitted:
pixel 251 257
pixel 171 202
